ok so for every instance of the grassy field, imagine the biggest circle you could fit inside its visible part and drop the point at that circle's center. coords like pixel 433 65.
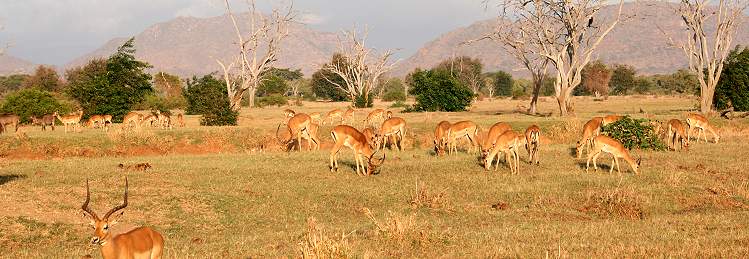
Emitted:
pixel 228 192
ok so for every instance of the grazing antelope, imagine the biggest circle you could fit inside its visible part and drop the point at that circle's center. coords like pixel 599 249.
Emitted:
pixel 142 242
pixel 348 136
pixel 395 128
pixel 316 117
pixel 462 129
pixel 532 142
pixel 612 146
pixel 440 137
pixel 608 119
pixel 310 136
pixel 95 120
pixel 334 114
pixel 677 131
pixel 10 119
pixel 507 143
pixel 388 114
pixel 107 120
pixel 494 132
pixel 349 115
pixel 288 113
pixel 371 136
pixel 72 119
pixel 132 119
pixel 181 120
pixel 699 122
pixel 374 116
pixel 591 129
pixel 298 126
pixel 150 119
pixel 44 121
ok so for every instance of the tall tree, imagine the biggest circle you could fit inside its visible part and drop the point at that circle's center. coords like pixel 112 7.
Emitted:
pixel 623 79
pixel 245 72
pixel 564 32
pixel 325 83
pixel 596 78
pixel 467 70
pixel 362 69
pixel 707 51
pixel 167 85
pixel 733 87
pixel 44 78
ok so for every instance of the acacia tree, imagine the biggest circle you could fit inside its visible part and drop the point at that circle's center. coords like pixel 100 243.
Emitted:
pixel 257 51
pixel 707 51
pixel 564 32
pixel 362 69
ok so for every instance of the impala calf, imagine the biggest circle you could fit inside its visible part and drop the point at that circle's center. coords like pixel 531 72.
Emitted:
pixel 494 132
pixel 336 114
pixel 95 121
pixel 10 119
pixel 532 142
pixel 132 119
pixel 612 146
pixel 507 143
pixel 298 126
pixel 72 120
pixel 459 130
pixel 344 135
pixel 699 122
pixel 591 129
pixel 142 242
pixel 316 117
pixel 309 135
pixel 440 137
pixel 677 131
pixel 374 116
pixel 395 128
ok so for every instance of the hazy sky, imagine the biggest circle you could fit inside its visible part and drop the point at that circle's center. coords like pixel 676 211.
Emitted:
pixel 56 31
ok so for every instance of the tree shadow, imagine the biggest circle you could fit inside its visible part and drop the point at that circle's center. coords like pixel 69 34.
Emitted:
pixel 11 177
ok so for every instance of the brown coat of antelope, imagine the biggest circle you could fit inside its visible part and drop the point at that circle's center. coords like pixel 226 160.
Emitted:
pixel 298 126
pixel 591 129
pixel 699 122
pixel 44 121
pixel 532 142
pixel 336 114
pixel 610 119
pixel 316 117
pixel 394 127
pixel 440 137
pixel 142 242
pixel 72 119
pixel 462 129
pixel 507 143
pixel 288 113
pixel 494 132
pixel 374 117
pixel 371 136
pixel 95 121
pixel 677 131
pixel 132 119
pixel 309 135
pixel 344 135
pixel 612 146
pixel 349 115
pixel 10 119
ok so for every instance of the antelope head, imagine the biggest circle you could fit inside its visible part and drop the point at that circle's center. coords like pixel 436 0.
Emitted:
pixel 374 162
pixel 102 225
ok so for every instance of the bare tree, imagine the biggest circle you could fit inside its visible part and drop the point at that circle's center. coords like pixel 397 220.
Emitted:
pixel 257 51
pixel 361 68
pixel 564 32
pixel 707 52
pixel 296 85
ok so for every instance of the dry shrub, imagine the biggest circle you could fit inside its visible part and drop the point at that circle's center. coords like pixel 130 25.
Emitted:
pixel 733 128
pixel 423 198
pixel 731 195
pixel 400 229
pixel 317 244
pixel 614 203
pixel 566 131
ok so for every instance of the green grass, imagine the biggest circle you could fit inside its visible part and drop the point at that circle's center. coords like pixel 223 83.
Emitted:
pixel 239 204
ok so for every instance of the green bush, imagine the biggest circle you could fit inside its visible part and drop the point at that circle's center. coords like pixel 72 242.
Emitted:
pixel 437 90
pixel 733 86
pixel 271 100
pixel 33 102
pixel 394 90
pixel 361 102
pixel 634 133
pixel 207 96
pixel 399 104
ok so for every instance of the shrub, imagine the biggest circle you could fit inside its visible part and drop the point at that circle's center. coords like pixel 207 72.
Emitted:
pixel 399 104
pixel 207 96
pixel 394 91
pixel 503 83
pixel 634 133
pixel 220 116
pixel 163 104
pixel 275 99
pixel 733 86
pixel 33 102
pixel 362 102
pixel 437 90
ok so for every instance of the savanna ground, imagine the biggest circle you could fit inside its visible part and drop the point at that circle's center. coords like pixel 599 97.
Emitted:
pixel 230 192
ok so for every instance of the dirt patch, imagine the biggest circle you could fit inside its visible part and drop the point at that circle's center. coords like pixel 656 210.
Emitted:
pixel 614 203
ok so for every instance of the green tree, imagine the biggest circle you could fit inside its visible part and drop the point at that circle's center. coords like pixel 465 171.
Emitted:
pixel 503 83
pixel 276 81
pixel 643 85
pixel 323 88
pixel 44 78
pixel 112 86
pixel 623 80
pixel 466 69
pixel 394 90
pixel 438 90
pixel 733 87
pixel 207 96
pixel 681 82
pixel 167 85
pixel 11 83
pixel 33 102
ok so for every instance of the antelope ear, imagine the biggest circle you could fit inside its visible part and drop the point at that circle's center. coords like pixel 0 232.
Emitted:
pixel 91 220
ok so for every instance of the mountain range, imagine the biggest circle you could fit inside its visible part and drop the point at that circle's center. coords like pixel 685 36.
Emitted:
pixel 190 46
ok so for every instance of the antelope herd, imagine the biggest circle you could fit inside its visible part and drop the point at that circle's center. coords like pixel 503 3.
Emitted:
pixel 74 121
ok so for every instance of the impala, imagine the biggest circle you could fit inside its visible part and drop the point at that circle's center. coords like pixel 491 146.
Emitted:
pixel 333 115
pixel 316 117
pixel 591 129
pixel 142 242
pixel 371 136
pixel 494 132
pixel 149 119
pixel 288 113
pixel 374 116
pixel 298 126
pixel 612 146
pixel 349 115
pixel 344 135
pixel 72 120
pixel 44 121
pixel 10 119
pixel 95 120
pixel 507 143
pixel 388 114
pixel 181 120
pixel 309 135
pixel 462 129
pixel 394 127
pixel 699 122
pixel 132 119
pixel 677 131
pixel 610 119
pixel 107 119
pixel 532 142
pixel 440 137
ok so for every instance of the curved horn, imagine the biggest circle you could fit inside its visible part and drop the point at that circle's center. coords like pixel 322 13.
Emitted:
pixel 382 161
pixel 85 207
pixel 278 138
pixel 115 209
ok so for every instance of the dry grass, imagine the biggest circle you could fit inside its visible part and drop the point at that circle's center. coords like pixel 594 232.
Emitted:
pixel 317 244
pixel 424 198
pixel 619 202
